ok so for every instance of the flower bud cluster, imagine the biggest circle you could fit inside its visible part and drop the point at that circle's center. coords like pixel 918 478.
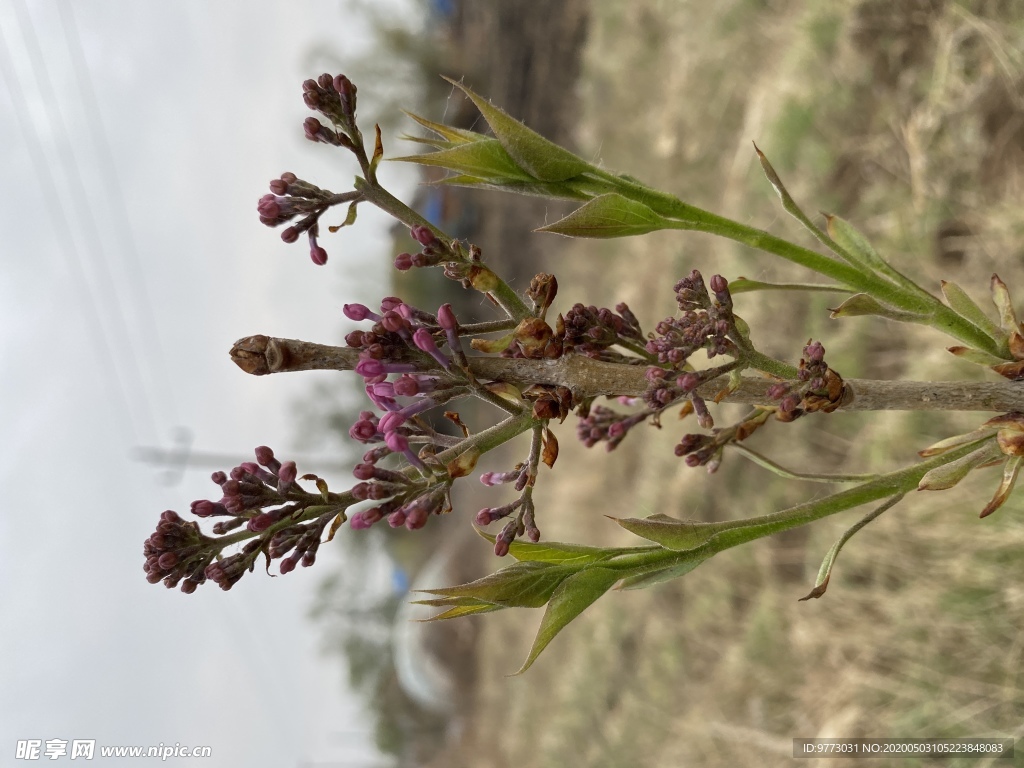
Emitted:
pixel 523 476
pixel 706 450
pixel 403 342
pixel 608 426
pixel 818 387
pixel 264 498
pixel 335 98
pixel 176 550
pixel 591 331
pixel 703 324
pixel 404 503
pixel 290 197
pixel 433 252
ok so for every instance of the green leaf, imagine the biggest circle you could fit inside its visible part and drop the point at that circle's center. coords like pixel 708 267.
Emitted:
pixel 966 307
pixel 448 133
pixel 430 142
pixel 543 159
pixel 670 532
pixel 484 159
pixel 644 580
pixel 520 585
pixel 447 602
pixel 861 304
pixel 825 572
pixel 1004 305
pixel 609 215
pixel 565 190
pixel 788 203
pixel 855 244
pixel 947 475
pixel 743 285
pixel 563 554
pixel 976 356
pixel 944 446
pixel 573 596
pixel 463 610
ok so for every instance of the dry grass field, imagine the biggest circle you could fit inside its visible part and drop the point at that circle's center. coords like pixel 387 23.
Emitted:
pixel 907 118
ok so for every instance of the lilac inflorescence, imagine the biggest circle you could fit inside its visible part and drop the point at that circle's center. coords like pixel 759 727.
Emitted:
pixel 264 498
pixel 591 330
pixel 608 426
pixel 291 197
pixel 812 390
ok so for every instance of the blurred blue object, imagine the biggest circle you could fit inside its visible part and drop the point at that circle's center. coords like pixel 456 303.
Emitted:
pixel 399 581
pixel 442 8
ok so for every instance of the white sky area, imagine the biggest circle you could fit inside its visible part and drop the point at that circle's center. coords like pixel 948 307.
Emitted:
pixel 135 139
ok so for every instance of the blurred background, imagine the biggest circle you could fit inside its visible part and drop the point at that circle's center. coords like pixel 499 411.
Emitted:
pixel 136 139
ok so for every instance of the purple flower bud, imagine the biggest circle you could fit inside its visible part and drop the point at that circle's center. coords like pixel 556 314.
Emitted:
pixel 363 430
pixel 364 471
pixel 219 478
pixel 501 547
pixel 396 519
pixel 359 312
pixel 403 262
pixel 815 352
pixel 374 455
pixel 416 518
pixel 446 318
pixel 312 128
pixel 264 456
pixel 483 517
pixel 344 86
pixel 202 508
pixel 261 522
pixel 406 386
pixel 688 381
pixel 390 303
pixel 777 391
pixel 391 421
pixel 279 186
pixel 318 255
pixel 396 441
pixel 268 207
pixel 394 322
pixel 287 473
pixel 423 235
pixel 287 566
pixel 789 403
pixel 424 340
pixel 357 522
pixel 168 560
pixel 370 368
pixel 718 283
pixel 290 234
pixel 249 468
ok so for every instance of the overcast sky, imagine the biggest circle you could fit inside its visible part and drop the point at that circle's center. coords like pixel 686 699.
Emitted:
pixel 135 140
